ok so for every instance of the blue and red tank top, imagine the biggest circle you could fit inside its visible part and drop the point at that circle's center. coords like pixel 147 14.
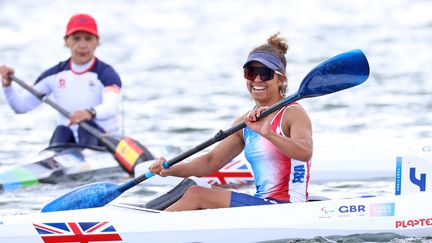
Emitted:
pixel 276 175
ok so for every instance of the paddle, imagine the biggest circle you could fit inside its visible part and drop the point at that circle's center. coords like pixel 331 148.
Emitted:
pixel 340 72
pixel 127 151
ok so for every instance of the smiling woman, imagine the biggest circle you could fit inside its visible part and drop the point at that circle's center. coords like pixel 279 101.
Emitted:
pixel 278 146
pixel 265 60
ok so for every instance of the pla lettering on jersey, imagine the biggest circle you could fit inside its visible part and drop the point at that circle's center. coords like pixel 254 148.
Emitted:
pixel 413 223
pixel 421 183
pixel 352 209
pixel 299 174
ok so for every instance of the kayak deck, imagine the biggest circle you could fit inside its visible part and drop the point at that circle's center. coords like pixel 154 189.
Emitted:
pixel 405 215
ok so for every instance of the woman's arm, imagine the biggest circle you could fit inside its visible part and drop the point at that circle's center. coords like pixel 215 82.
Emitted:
pixel 222 153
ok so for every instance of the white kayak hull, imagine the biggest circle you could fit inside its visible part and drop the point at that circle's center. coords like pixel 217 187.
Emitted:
pixel 405 215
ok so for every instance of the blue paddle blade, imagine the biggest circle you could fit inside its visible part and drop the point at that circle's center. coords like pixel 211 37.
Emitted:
pixel 88 196
pixel 340 72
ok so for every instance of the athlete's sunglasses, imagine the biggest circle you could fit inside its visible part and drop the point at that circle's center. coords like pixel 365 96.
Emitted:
pixel 265 73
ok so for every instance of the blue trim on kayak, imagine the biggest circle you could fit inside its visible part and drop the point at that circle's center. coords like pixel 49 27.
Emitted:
pixel 9 181
pixel 398 182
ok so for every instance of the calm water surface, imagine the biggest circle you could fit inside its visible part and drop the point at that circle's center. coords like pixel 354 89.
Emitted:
pixel 181 61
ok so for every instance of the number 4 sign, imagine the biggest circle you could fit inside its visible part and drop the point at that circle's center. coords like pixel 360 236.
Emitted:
pixel 413 175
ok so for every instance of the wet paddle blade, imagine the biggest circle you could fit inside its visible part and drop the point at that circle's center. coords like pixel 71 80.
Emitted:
pixel 88 196
pixel 340 72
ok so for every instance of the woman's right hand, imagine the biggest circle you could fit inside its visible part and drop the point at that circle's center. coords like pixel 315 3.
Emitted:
pixel 5 72
pixel 262 126
pixel 158 169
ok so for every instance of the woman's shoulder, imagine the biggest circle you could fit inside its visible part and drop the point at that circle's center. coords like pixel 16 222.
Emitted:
pixel 103 66
pixel 294 106
pixel 239 119
pixel 59 67
pixel 107 74
pixel 294 111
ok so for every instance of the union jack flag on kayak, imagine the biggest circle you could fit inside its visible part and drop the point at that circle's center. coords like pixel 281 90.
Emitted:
pixel 82 232
pixel 235 172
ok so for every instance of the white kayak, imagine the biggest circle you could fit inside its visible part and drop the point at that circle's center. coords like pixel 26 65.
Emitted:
pixel 405 215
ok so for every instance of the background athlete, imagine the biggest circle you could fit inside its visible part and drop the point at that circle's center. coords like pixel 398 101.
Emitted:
pixel 84 85
pixel 278 147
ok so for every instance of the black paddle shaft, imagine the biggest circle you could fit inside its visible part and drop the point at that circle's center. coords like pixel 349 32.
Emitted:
pixel 93 131
pixel 223 134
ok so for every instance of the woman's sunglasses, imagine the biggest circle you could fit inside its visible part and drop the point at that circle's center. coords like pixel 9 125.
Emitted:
pixel 265 73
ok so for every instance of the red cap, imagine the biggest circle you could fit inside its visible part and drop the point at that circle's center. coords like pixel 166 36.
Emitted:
pixel 82 22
